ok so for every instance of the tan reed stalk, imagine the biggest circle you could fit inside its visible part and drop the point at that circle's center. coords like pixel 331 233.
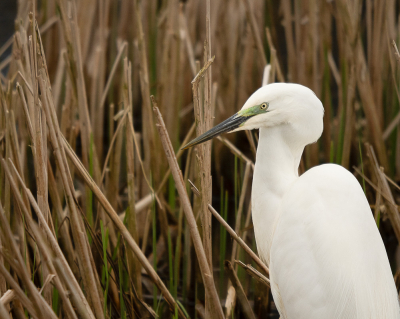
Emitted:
pixel 121 228
pixel 209 285
pixel 241 295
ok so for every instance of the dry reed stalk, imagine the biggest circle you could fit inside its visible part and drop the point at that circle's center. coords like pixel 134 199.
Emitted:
pixel 45 227
pixel 3 312
pixel 63 229
pixel 375 187
pixel 47 259
pixel 202 111
pixel 121 227
pixel 146 201
pixel 80 238
pixel 18 291
pixel 240 241
pixel 349 124
pixel 238 222
pixel 74 292
pixel 186 38
pixel 393 212
pixel 41 308
pixel 134 268
pixel 209 285
pixel 254 273
pixel 394 123
pixel 241 295
pixel 83 253
pixel 236 151
pixel 7 297
pixel 378 203
pixel 274 58
pixel 364 83
pixel 287 23
pixel 147 118
pixel 255 32
pixel 205 158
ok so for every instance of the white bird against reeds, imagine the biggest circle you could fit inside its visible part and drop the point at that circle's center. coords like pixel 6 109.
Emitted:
pixel 316 232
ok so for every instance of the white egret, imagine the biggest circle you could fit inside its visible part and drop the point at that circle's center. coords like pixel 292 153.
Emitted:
pixel 315 232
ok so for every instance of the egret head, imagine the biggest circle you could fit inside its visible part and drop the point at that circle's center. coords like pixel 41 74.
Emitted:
pixel 293 107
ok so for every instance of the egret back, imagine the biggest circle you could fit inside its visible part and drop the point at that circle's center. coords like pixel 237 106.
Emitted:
pixel 327 256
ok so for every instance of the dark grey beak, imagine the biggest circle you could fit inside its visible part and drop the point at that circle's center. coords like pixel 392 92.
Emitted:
pixel 226 126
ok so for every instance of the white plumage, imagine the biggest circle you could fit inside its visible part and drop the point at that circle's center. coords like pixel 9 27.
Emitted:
pixel 316 232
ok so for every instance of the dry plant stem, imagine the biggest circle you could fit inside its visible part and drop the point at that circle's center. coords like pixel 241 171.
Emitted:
pixel 51 238
pixel 64 233
pixel 394 123
pixel 274 57
pixel 239 240
pixel 121 227
pixel 40 306
pixel 147 200
pixel 49 235
pixel 147 118
pixel 240 209
pixel 241 295
pixel 19 292
pixel 205 159
pixel 203 118
pixel 112 73
pixel 74 293
pixel 76 224
pixel 3 312
pixel 236 151
pixel 255 31
pixel 7 297
pixel 187 208
pixel 47 259
pixel 133 264
pixel 84 254
pixel 392 211
pixel 377 188
pixel 254 273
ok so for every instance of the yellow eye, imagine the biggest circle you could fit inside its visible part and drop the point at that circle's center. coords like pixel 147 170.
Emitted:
pixel 263 106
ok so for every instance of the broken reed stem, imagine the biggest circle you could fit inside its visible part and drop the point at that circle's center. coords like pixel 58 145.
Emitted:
pixel 187 208
pixel 241 295
pixel 239 240
pixel 7 297
pixel 121 227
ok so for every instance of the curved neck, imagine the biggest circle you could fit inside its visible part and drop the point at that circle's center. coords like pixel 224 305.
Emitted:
pixel 276 168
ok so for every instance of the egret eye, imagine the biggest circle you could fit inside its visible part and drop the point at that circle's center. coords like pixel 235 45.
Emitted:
pixel 263 106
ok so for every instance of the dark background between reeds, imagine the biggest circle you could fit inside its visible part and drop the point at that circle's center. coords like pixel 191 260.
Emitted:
pixel 87 74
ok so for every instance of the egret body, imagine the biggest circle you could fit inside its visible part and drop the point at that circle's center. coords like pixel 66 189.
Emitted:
pixel 315 232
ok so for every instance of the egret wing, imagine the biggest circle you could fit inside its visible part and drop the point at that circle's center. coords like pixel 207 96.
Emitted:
pixel 327 257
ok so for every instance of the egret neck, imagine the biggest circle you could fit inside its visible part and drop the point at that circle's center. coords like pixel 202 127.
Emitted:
pixel 276 168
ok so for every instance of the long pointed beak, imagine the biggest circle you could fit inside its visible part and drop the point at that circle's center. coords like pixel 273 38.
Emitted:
pixel 226 126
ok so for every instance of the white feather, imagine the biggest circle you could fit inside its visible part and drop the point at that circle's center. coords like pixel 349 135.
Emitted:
pixel 316 231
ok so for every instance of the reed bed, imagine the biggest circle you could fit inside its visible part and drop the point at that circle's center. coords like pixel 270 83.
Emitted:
pixel 103 216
